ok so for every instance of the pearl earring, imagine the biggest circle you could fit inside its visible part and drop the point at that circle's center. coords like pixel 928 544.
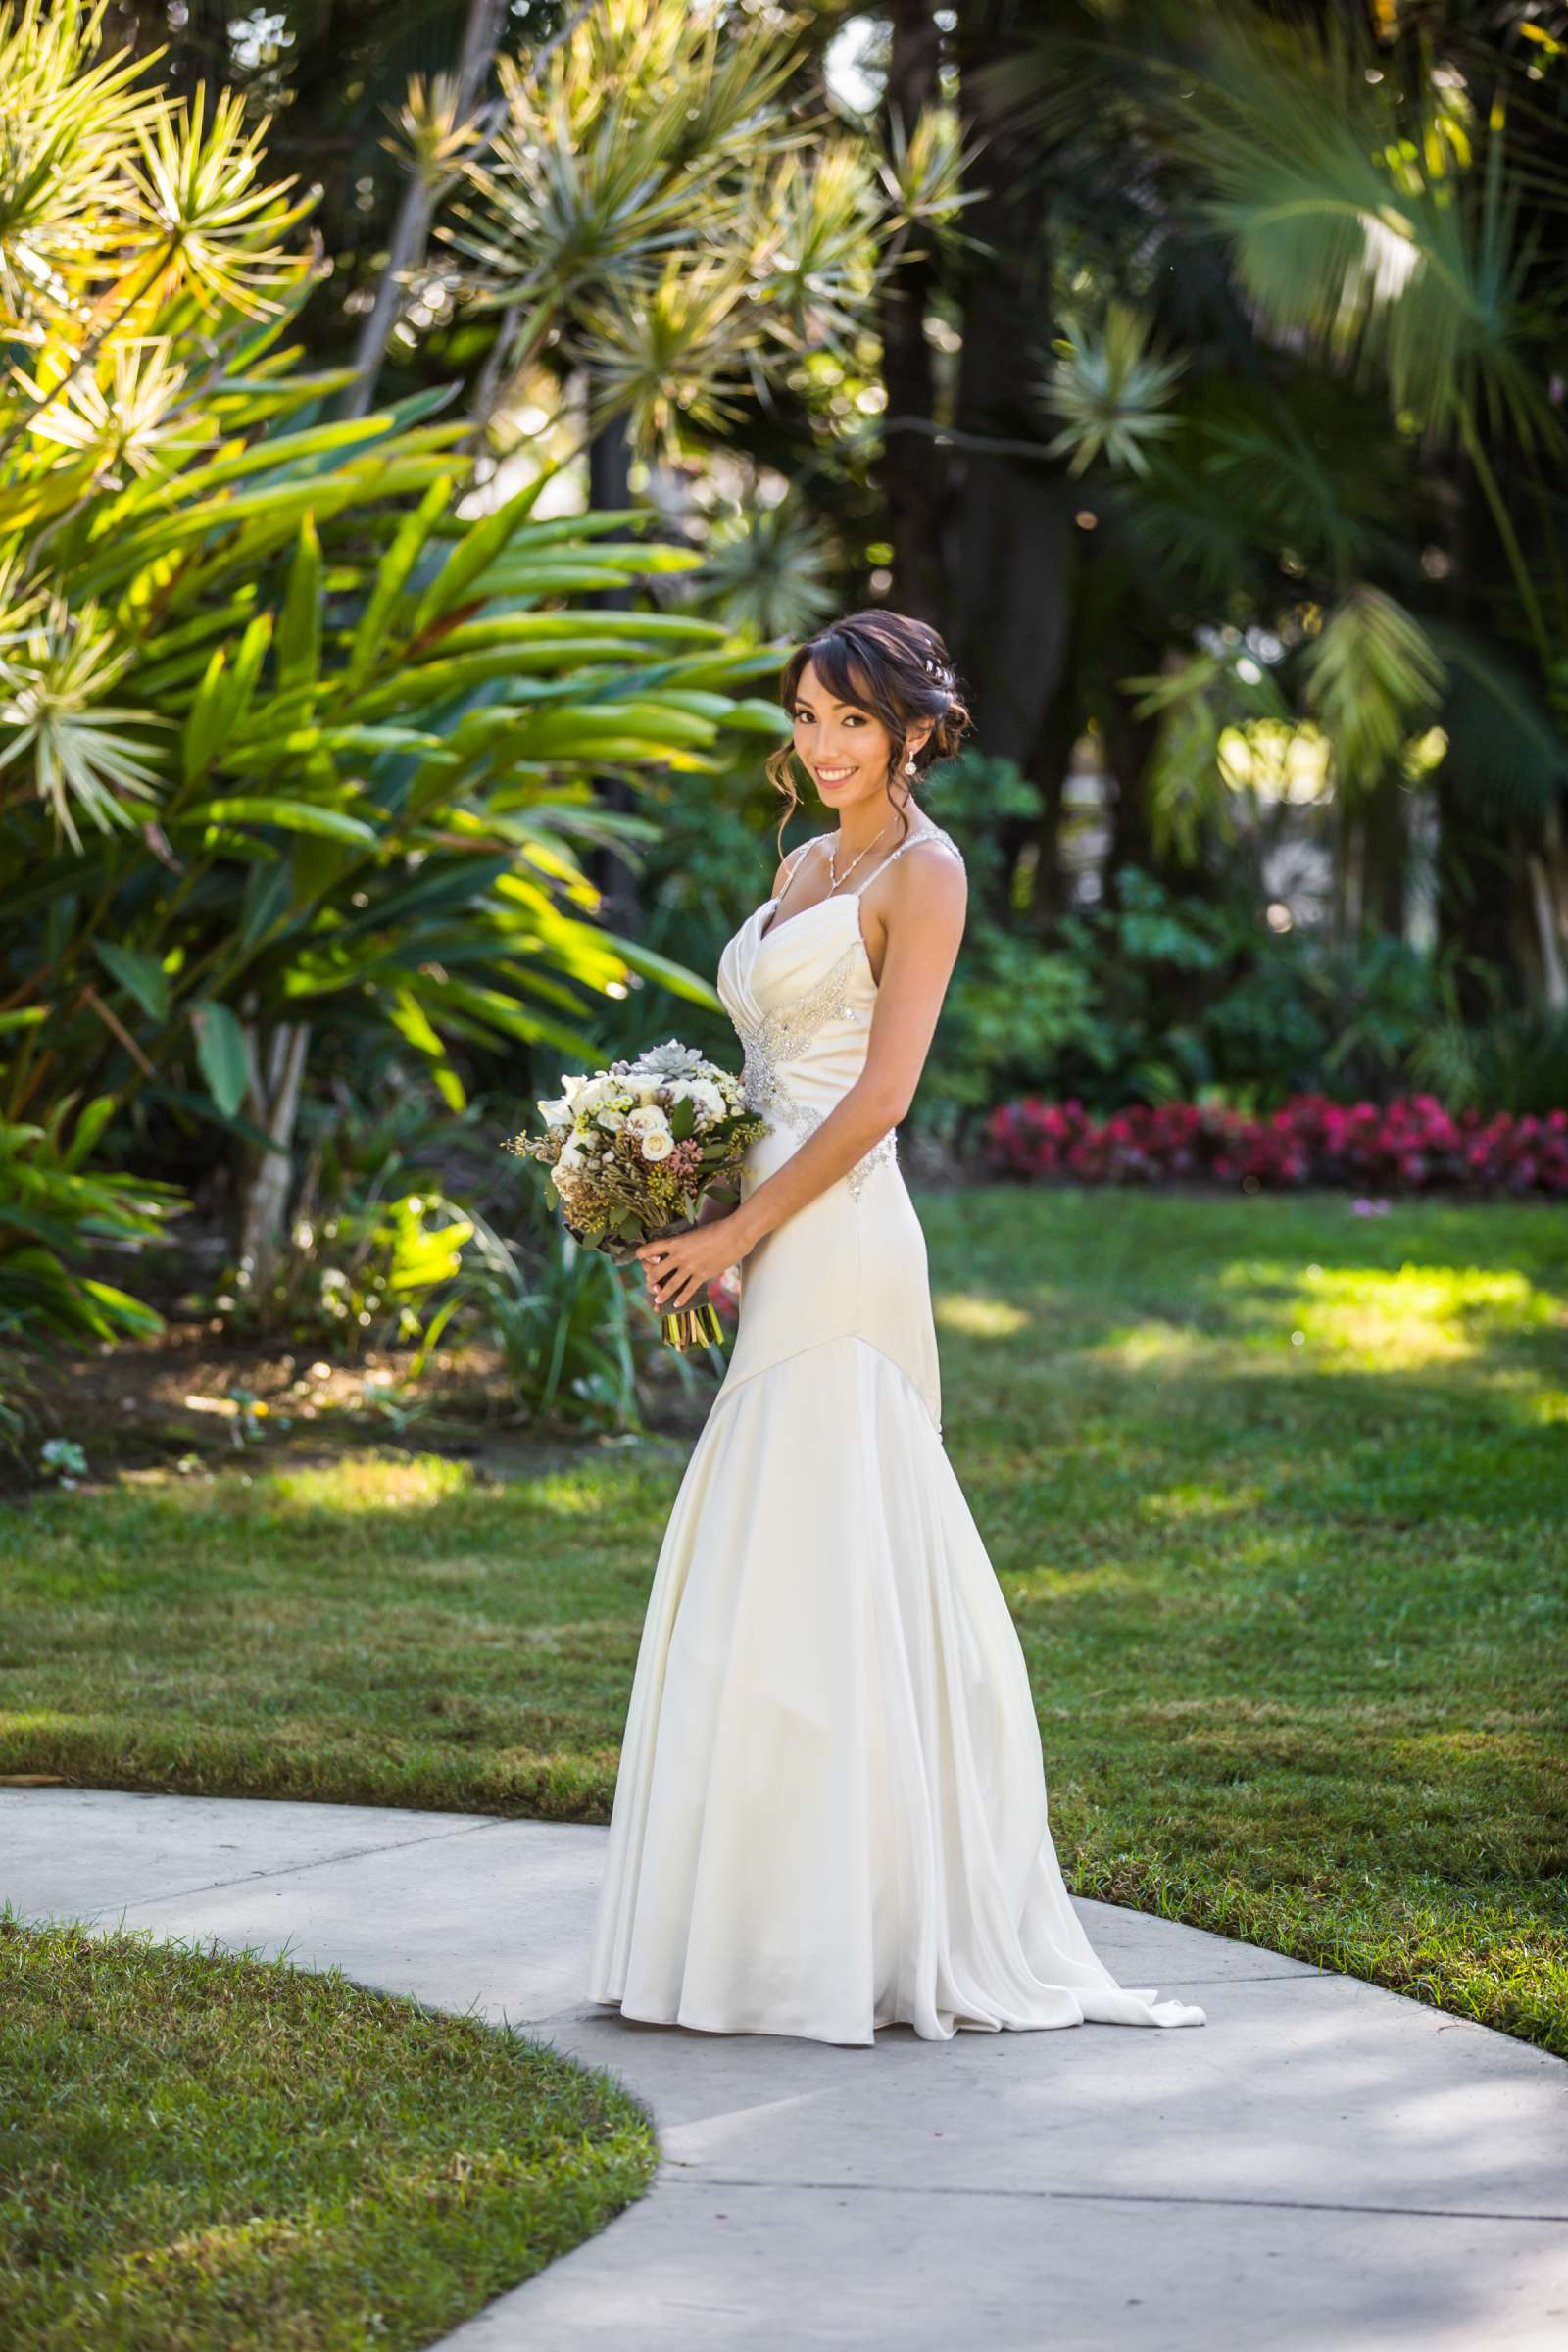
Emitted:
pixel 909 765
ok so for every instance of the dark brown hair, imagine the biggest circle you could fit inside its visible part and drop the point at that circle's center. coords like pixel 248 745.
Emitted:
pixel 896 669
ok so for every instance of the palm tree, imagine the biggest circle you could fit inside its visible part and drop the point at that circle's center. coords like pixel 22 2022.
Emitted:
pixel 1350 234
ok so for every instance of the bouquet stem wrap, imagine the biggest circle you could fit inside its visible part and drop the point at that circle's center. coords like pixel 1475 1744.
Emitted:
pixel 691 1327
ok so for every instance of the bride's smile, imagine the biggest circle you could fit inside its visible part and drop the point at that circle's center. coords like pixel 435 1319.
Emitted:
pixel 847 754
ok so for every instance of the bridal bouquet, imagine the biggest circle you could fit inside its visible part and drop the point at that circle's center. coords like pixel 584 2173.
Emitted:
pixel 632 1149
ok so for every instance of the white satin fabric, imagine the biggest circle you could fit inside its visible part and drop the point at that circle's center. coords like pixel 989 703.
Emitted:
pixel 830 1814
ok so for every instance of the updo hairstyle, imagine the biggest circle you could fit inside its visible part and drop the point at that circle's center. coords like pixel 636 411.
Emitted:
pixel 896 669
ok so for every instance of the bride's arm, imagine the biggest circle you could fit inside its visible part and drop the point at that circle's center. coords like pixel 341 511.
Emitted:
pixel 925 917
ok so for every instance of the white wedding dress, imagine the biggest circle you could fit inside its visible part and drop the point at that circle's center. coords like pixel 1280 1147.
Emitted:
pixel 830 1814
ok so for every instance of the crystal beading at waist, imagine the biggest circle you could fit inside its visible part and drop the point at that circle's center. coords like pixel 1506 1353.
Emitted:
pixel 766 1093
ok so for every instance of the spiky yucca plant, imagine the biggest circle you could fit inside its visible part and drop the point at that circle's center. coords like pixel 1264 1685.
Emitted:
pixel 655 208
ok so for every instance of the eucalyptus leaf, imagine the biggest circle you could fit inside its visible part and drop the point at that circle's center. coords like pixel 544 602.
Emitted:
pixel 140 972
pixel 220 1053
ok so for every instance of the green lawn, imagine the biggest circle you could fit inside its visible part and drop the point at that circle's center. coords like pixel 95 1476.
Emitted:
pixel 1279 1497
pixel 200 2151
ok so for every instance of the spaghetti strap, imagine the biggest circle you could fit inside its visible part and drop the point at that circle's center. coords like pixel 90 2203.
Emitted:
pixel 792 865
pixel 930 833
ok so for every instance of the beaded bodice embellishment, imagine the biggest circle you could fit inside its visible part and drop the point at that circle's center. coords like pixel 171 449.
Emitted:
pixel 785 1033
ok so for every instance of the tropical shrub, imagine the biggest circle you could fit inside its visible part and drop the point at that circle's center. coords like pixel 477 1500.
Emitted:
pixel 412 1231
pixel 57 1215
pixel 1192 994
pixel 298 743
pixel 572 1331
pixel 1515 1060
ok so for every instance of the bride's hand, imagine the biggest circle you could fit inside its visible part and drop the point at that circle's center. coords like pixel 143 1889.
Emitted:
pixel 678 1267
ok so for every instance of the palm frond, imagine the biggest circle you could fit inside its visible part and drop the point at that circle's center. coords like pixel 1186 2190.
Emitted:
pixel 1373 678
pixel 927 171
pixel 1379 222
pixel 1112 389
pixel 814 251
pixel 551 213
pixel 769 571
pixel 214 228
pixel 1507 749
pixel 1190 783
pixel 56 669
pixel 672 350
pixel 124 412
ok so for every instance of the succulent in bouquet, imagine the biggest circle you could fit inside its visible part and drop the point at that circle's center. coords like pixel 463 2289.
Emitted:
pixel 632 1150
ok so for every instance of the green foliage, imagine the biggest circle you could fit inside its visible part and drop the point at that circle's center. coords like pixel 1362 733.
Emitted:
pixel 708 858
pixel 395 1243
pixel 19 1392
pixel 1347 225
pixel 1012 1004
pixel 1374 213
pixel 57 1216
pixel 1194 995
pixel 370 1275
pixel 1112 393
pixel 1373 678
pixel 1151 996
pixel 769 571
pixel 1189 784
pixel 1515 1061
pixel 297 741
pixel 570 1327
pixel 651 208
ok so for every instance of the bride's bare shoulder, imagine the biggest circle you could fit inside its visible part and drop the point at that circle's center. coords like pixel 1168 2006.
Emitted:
pixel 928 888
pixel 944 840
pixel 932 867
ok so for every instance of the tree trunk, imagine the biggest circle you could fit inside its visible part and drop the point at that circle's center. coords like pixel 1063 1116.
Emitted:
pixel 1385 856
pixel 1009 540
pixel 610 486
pixel 1053 885
pixel 1548 902
pixel 411 230
pixel 908 473
pixel 203 56
pixel 1478 880
pixel 1128 745
pixel 278 1076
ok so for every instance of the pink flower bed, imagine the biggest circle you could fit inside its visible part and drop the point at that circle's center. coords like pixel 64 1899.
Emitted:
pixel 1407 1146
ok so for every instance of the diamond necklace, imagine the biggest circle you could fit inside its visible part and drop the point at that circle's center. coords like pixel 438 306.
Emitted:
pixel 834 877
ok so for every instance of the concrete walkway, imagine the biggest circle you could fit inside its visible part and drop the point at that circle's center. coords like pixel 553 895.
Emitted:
pixel 1323 2167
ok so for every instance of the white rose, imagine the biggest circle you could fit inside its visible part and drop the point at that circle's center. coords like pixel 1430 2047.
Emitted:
pixel 657 1144
pixel 646 1089
pixel 647 1120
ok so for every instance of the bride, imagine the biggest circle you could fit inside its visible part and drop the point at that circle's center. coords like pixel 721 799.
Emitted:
pixel 830 1814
